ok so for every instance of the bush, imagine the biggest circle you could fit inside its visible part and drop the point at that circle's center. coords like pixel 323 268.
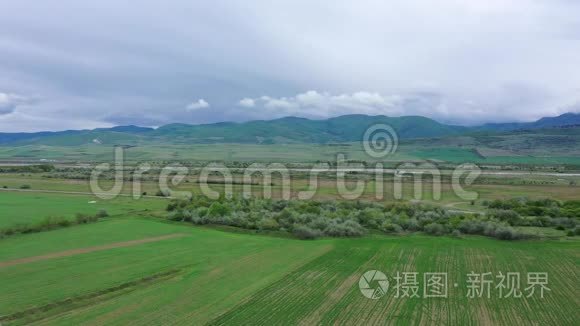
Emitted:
pixel 102 213
pixel 197 220
pixel 456 234
pixel 509 216
pixel 349 218
pixel 410 224
pixel 175 204
pixel 84 218
pixel 564 223
pixel 391 228
pixel 471 227
pixel 506 233
pixel 434 229
pixel 175 215
pixel 48 223
pixel 268 224
pixel 25 187
pixel 202 211
pixel 543 221
pixel 305 233
pixel 218 209
pixel 505 204
pixel 348 228
pixel 320 223
pixel 187 215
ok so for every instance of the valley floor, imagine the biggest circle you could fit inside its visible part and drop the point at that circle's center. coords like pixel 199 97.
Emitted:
pixel 210 276
pixel 134 268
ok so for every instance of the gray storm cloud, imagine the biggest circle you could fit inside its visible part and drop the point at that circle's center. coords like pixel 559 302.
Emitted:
pixel 101 63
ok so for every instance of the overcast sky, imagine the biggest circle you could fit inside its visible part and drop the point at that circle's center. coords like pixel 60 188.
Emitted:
pixel 86 64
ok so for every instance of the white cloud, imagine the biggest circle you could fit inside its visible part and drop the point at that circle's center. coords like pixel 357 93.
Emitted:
pixel 451 108
pixel 247 102
pixel 200 104
pixel 316 104
pixel 8 102
pixel 281 104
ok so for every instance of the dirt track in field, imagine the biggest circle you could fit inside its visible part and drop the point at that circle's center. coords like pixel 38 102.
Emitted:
pixel 73 252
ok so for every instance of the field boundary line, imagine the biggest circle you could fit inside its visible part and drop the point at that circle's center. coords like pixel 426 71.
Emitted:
pixel 74 252
pixel 71 303
pixel 48 191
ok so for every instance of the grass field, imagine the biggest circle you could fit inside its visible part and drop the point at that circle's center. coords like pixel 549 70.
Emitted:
pixel 556 188
pixel 26 208
pixel 134 268
pixel 225 278
pixel 215 271
pixel 325 291
pixel 286 153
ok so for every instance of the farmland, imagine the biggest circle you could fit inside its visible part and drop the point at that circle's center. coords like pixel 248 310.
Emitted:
pixel 488 187
pixel 145 263
pixel 25 208
pixel 221 277
pixel 509 149
pixel 203 257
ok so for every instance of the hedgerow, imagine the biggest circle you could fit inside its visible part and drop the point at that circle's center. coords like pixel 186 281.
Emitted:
pixel 51 223
pixel 312 219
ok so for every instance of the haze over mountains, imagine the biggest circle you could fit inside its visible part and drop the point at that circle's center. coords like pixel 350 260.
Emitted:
pixel 567 119
pixel 347 128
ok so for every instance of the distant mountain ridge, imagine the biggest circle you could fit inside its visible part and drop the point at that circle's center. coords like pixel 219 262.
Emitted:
pixel 130 128
pixel 293 129
pixel 347 128
pixel 566 119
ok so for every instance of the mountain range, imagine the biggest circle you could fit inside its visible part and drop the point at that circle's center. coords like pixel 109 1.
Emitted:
pixel 566 119
pixel 347 128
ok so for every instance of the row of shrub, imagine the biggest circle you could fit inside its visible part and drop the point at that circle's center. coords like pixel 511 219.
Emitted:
pixel 539 207
pixel 305 226
pixel 513 218
pixel 51 223
pixel 25 186
pixel 37 168
pixel 312 219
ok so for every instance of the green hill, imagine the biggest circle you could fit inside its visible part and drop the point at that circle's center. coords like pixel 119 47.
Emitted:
pixel 291 129
pixel 566 119
pixel 348 128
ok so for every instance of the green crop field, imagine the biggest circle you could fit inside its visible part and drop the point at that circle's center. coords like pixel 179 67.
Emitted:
pixel 26 208
pixel 214 271
pixel 137 267
pixel 535 186
pixel 412 150
pixel 325 290
pixel 225 278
